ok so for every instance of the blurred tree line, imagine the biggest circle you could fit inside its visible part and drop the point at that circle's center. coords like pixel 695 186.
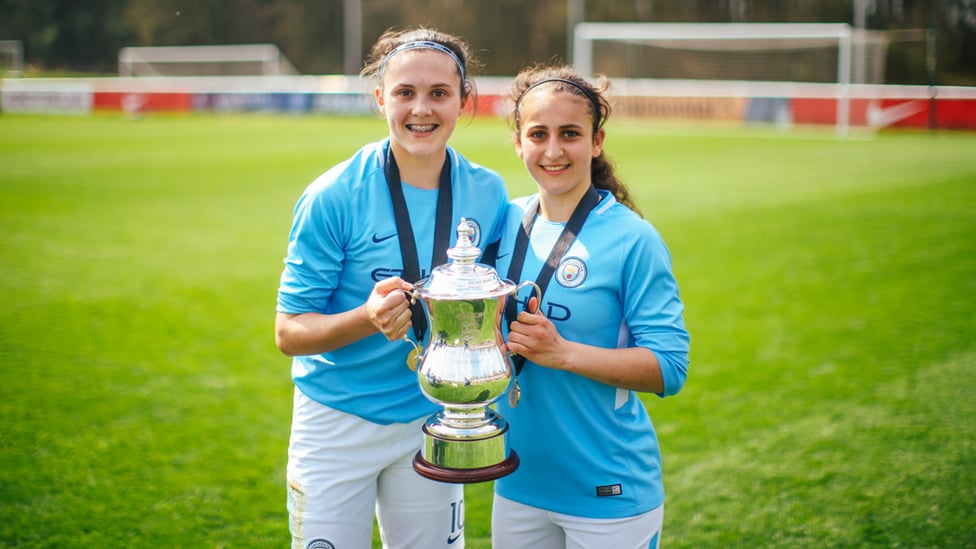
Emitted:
pixel 85 36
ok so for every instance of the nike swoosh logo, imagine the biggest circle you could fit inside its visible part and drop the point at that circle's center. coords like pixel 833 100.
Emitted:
pixel 452 539
pixel 378 239
pixel 499 256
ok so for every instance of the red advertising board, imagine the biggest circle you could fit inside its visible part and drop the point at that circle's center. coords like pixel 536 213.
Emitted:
pixel 959 114
pixel 143 101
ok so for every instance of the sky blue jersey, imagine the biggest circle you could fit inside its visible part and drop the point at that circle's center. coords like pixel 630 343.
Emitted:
pixel 343 240
pixel 586 448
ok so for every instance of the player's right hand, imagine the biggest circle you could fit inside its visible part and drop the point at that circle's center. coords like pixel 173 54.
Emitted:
pixel 388 307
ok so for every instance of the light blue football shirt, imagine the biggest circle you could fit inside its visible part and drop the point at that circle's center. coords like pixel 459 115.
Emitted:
pixel 586 448
pixel 343 240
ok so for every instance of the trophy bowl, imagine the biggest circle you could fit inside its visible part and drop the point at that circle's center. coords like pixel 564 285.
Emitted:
pixel 464 368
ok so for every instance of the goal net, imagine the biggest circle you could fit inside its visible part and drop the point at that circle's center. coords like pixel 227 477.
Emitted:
pixel 719 54
pixel 11 58
pixel 230 60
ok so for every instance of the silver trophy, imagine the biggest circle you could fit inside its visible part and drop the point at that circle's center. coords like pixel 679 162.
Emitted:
pixel 464 368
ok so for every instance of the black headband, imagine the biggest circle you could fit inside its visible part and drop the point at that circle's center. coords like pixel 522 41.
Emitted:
pixel 597 112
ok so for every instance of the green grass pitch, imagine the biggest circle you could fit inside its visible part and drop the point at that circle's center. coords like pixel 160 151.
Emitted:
pixel 828 283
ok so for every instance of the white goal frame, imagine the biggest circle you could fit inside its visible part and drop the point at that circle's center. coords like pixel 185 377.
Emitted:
pixel 141 61
pixel 585 34
pixel 13 50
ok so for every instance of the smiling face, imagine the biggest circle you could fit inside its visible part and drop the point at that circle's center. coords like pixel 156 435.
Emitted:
pixel 421 98
pixel 557 144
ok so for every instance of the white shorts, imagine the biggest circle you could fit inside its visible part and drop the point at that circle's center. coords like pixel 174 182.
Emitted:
pixel 516 526
pixel 342 468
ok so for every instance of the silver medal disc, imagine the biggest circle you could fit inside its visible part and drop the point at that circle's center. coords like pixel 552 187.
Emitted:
pixel 514 394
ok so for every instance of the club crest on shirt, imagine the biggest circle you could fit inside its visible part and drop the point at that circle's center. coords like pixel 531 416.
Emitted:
pixel 571 272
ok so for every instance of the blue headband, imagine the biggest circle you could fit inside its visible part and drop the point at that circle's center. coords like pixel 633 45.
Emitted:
pixel 426 44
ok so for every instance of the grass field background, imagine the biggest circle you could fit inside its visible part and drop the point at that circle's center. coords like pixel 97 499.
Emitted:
pixel 829 288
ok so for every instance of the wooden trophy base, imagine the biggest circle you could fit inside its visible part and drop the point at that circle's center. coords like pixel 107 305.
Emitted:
pixel 465 476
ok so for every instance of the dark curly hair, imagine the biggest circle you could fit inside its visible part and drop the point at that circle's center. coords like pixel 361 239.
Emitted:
pixel 565 79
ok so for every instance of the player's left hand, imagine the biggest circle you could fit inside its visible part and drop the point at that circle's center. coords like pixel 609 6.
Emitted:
pixel 535 337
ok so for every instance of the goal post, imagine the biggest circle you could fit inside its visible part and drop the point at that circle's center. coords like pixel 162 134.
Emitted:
pixel 226 60
pixel 727 40
pixel 11 58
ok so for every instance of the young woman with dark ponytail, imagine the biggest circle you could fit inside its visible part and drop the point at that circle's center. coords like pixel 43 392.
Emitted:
pixel 609 325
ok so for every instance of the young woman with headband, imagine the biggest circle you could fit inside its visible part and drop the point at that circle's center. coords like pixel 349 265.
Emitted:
pixel 609 325
pixel 362 232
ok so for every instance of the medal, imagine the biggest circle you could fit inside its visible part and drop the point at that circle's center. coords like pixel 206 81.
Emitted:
pixel 514 394
pixel 413 358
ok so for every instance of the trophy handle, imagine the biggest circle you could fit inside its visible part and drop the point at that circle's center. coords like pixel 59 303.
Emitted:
pixel 538 292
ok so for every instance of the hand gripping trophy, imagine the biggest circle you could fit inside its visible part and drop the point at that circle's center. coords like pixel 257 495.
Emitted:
pixel 464 368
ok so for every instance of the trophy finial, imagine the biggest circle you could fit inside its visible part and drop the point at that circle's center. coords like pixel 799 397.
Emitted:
pixel 464 231
pixel 464 251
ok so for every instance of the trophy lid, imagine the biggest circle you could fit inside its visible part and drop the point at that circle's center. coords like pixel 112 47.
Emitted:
pixel 462 278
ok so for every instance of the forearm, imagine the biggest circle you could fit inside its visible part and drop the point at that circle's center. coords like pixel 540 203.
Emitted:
pixel 634 368
pixel 316 333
